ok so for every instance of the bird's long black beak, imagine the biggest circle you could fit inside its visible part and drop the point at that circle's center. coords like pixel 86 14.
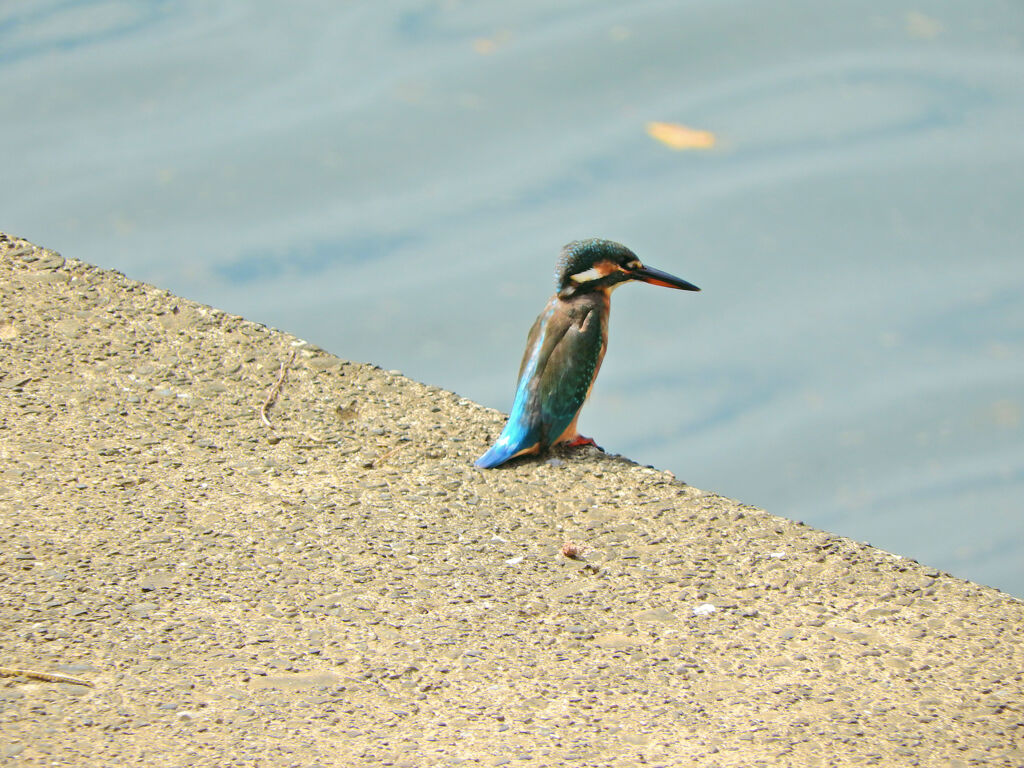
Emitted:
pixel 657 277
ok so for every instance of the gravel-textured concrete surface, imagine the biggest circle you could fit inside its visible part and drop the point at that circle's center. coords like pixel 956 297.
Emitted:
pixel 344 588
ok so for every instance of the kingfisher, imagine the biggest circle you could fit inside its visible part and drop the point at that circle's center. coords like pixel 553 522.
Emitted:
pixel 566 345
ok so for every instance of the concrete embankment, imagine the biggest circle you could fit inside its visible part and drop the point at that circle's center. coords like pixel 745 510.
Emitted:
pixel 340 587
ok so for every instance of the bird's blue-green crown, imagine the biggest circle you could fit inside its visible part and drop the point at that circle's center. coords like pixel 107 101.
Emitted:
pixel 581 255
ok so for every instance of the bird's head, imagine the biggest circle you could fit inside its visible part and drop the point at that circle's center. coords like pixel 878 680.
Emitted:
pixel 600 265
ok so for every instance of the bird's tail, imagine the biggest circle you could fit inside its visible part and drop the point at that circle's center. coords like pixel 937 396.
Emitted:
pixel 506 447
pixel 496 454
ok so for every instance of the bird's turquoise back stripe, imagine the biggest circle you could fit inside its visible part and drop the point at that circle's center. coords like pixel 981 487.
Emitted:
pixel 520 431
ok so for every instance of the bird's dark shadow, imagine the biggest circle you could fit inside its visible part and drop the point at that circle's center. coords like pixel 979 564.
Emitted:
pixel 562 454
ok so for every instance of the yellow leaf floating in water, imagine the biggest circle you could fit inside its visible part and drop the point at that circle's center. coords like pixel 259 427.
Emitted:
pixel 680 136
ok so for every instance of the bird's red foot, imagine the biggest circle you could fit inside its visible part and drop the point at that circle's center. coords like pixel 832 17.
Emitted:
pixel 581 440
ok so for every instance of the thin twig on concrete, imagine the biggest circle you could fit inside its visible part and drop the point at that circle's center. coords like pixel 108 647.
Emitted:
pixel 276 389
pixel 388 454
pixel 50 677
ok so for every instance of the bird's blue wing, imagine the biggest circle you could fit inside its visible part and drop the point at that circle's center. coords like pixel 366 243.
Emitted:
pixel 563 346
pixel 523 429
pixel 569 373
